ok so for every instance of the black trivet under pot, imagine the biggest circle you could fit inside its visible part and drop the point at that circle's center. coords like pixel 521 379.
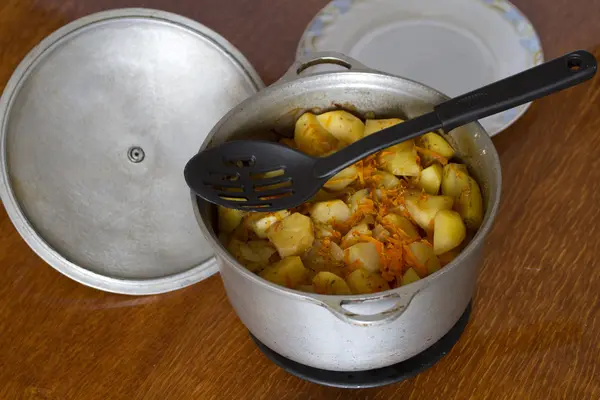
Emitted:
pixel 374 377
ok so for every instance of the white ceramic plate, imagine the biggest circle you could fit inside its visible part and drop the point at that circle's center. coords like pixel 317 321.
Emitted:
pixel 453 46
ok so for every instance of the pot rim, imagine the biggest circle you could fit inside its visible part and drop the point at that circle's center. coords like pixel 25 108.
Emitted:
pixel 411 289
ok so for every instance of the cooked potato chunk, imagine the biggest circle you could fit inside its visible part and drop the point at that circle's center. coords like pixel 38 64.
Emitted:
pixel 292 236
pixel 342 179
pixel 362 281
pixel 448 257
pixel 322 195
pixel 401 223
pixel 312 138
pixel 357 199
pixel 449 231
pixel 434 142
pixel 455 179
pixel 470 205
pixel 380 233
pixel 306 288
pixel 289 143
pixel 324 256
pixel 363 255
pixel 400 162
pixel 421 257
pixel 409 276
pixel 354 234
pixel 328 283
pixel 327 212
pixel 431 179
pixel 324 231
pixel 375 125
pixel 289 272
pixel 229 219
pixel 254 254
pixel 385 179
pixel 261 222
pixel 344 126
pixel 422 209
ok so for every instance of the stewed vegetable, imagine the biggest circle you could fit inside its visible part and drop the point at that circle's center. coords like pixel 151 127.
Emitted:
pixel 387 221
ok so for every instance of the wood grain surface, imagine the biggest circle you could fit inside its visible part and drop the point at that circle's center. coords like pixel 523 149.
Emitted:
pixel 535 327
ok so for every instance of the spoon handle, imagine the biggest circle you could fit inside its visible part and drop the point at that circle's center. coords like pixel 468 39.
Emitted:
pixel 552 76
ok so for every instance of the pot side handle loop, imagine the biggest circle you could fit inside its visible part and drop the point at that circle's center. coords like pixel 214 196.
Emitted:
pixel 320 58
pixel 337 308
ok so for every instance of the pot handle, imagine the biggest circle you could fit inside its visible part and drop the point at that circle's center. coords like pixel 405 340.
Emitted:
pixel 320 58
pixel 400 306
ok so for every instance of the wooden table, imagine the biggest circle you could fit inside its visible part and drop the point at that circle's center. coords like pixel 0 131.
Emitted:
pixel 535 327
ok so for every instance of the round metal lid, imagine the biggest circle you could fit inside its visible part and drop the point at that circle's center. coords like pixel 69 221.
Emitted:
pixel 97 123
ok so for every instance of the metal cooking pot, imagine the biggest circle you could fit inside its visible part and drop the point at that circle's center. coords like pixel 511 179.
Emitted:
pixel 359 332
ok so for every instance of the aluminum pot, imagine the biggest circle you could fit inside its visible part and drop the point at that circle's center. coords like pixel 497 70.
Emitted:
pixel 358 332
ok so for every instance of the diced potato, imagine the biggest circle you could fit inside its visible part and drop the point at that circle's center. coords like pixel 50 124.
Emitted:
pixel 254 254
pixel 324 256
pixel 289 272
pixel 328 283
pixel 344 126
pixel 328 212
pixel 455 179
pixel 407 145
pixel 401 223
pixel 380 233
pixel 362 281
pixel 357 199
pixel 375 125
pixel 400 162
pixel 409 276
pixel 353 236
pixel 322 195
pixel 422 209
pixel 342 179
pixel 369 220
pixel 229 219
pixel 292 236
pixel 470 205
pixel 434 142
pixel 449 231
pixel 421 257
pixel 324 231
pixel 312 138
pixel 448 257
pixel 261 222
pixel 306 288
pixel 431 179
pixel 288 142
pixel 363 255
pixel 336 252
pixel 385 179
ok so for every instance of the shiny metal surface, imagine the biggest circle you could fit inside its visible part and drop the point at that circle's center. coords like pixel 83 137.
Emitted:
pixel 97 124
pixel 350 333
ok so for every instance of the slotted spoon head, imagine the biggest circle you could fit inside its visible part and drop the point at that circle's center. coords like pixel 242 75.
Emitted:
pixel 253 175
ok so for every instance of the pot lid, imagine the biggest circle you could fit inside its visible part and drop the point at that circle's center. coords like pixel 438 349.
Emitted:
pixel 97 124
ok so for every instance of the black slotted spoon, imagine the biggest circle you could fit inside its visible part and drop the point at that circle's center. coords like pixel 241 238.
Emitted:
pixel 233 173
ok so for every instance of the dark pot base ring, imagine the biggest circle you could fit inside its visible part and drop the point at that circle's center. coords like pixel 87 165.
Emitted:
pixel 374 377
